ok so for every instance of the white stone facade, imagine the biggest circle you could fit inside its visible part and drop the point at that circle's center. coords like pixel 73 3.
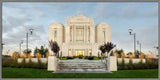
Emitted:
pixel 79 36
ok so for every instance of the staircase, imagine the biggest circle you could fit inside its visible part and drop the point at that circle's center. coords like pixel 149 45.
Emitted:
pixel 81 66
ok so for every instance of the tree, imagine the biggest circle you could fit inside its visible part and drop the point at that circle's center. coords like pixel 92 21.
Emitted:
pixel 137 54
pixel 129 53
pixel 36 50
pixel 107 47
pixel 27 51
pixel 43 51
pixel 54 47
pixel 15 56
pixel 119 52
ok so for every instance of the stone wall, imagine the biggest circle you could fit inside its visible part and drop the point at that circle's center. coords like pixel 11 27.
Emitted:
pixel 113 63
pixel 43 60
pixel 133 60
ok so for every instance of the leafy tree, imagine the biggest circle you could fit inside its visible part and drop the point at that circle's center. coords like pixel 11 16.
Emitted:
pixel 102 48
pixel 129 53
pixel 137 54
pixel 43 51
pixel 54 47
pixel 27 51
pixel 119 52
pixel 36 50
pixel 15 56
pixel 107 47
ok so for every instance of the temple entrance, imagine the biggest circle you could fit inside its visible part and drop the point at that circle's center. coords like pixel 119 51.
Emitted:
pixel 79 52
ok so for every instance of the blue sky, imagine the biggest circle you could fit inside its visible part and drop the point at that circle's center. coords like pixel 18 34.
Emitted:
pixel 142 17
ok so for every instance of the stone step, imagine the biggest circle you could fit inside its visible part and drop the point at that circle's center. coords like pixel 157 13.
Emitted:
pixel 81 66
pixel 82 71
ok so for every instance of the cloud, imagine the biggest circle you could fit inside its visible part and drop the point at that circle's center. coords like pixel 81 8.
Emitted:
pixel 148 35
pixel 129 11
pixel 10 22
pixel 152 13
pixel 101 11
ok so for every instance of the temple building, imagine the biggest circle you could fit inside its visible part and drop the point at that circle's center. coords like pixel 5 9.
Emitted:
pixel 79 36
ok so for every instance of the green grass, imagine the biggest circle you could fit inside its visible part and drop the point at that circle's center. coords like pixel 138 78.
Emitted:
pixel 42 73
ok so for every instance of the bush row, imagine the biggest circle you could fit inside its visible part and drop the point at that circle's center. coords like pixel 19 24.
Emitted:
pixel 11 63
pixel 135 66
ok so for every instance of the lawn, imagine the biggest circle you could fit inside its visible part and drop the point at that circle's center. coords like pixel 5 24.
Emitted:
pixel 42 73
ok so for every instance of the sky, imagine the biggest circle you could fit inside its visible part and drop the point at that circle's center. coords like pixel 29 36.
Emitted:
pixel 142 17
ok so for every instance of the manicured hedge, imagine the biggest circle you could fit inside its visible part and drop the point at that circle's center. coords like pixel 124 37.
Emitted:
pixel 152 65
pixel 10 63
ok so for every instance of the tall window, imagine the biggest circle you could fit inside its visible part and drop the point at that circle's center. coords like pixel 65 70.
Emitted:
pixel 70 34
pixel 90 53
pixel 103 34
pixel 79 35
pixel 88 34
pixel 55 34
pixel 69 53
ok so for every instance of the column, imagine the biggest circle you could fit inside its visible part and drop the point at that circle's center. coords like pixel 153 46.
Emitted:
pixel 85 52
pixel 72 33
pixel 75 33
pixel 87 34
pixel 84 33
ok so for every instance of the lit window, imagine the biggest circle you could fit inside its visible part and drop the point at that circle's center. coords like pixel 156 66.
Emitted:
pixel 69 53
pixel 90 53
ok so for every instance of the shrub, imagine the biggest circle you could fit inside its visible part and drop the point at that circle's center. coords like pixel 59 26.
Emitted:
pixel 30 58
pixel 90 58
pixel 15 56
pixel 85 57
pixel 130 59
pixel 135 66
pixel 123 56
pixel 68 57
pixel 74 57
pixel 95 58
pixel 141 56
pixel 47 54
pixel 80 56
pixel 6 62
pixel 64 58
pixel 10 63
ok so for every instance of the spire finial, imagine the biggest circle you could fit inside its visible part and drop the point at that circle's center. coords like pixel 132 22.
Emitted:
pixel 79 11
